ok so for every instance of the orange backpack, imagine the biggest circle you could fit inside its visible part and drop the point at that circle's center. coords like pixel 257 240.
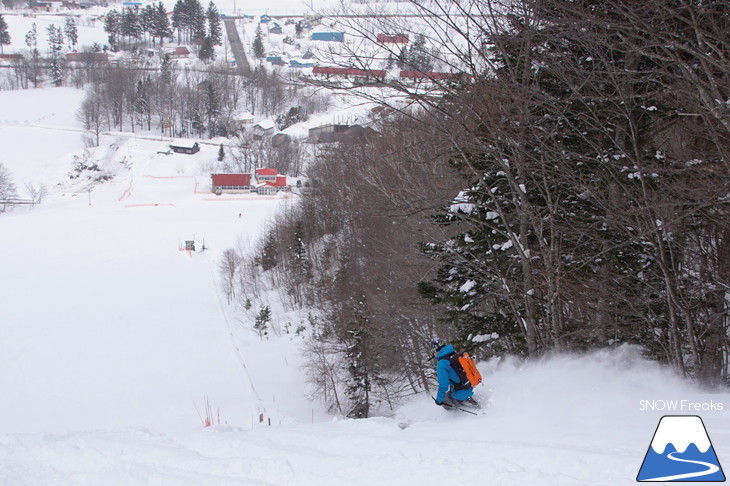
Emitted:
pixel 466 370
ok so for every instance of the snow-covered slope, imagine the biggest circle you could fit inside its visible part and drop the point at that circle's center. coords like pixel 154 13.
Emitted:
pixel 113 341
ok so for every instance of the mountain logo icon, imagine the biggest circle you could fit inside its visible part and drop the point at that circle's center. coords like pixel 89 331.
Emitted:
pixel 680 451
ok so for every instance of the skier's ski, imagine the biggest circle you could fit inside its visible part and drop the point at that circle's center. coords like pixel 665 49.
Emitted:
pixel 460 409
pixel 454 407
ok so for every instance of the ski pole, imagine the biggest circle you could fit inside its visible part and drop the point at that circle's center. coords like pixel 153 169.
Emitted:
pixel 455 407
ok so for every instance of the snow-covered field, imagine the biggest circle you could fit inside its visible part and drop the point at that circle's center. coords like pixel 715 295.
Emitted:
pixel 113 342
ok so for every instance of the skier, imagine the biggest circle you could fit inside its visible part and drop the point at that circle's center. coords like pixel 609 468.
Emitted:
pixel 448 396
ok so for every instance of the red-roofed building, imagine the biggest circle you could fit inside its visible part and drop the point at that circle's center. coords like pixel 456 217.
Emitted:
pixel 433 77
pixel 348 72
pixel 266 175
pixel 266 188
pixel 87 57
pixel 231 183
pixel 270 181
pixel 10 58
pixel 180 52
pixel 393 38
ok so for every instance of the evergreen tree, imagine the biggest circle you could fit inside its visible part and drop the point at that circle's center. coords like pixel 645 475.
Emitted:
pixel 269 253
pixel 71 31
pixel 359 361
pixel 55 42
pixel 143 101
pixel 166 74
pixel 561 239
pixel 4 34
pixel 147 20
pixel 294 115
pixel 31 37
pixel 131 24
pixel 55 39
pixel 161 27
pixel 31 40
pixel 418 58
pixel 197 21
pixel 298 247
pixel 206 53
pixel 215 32
pixel 188 18
pixel 56 71
pixel 258 44
pixel 179 19
pixel 221 154
pixel 402 58
pixel 212 107
pixel 261 324
pixel 112 26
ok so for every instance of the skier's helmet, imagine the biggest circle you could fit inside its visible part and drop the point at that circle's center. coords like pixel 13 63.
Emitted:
pixel 436 344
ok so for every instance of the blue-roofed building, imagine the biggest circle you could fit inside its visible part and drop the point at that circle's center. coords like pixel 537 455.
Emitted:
pixel 299 64
pixel 328 36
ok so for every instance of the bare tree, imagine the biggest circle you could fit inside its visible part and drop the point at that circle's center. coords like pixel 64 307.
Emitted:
pixel 7 188
pixel 229 266
pixel 577 133
pixel 37 193
pixel 93 112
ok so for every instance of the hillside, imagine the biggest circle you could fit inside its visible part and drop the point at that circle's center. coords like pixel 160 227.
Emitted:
pixel 116 344
pixel 112 338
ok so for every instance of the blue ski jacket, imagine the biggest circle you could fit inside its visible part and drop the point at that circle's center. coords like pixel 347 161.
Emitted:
pixel 447 377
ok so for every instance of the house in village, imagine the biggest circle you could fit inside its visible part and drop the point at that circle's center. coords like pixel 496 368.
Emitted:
pixel 392 39
pixel 329 133
pixel 360 75
pixel 87 57
pixel 10 59
pixel 74 5
pixel 432 77
pixel 326 133
pixel 244 119
pixel 269 181
pixel 180 52
pixel 230 183
pixel 185 147
pixel 328 36
pixel 296 63
pixel 41 6
pixel 263 128
pixel 275 60
pixel 313 18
